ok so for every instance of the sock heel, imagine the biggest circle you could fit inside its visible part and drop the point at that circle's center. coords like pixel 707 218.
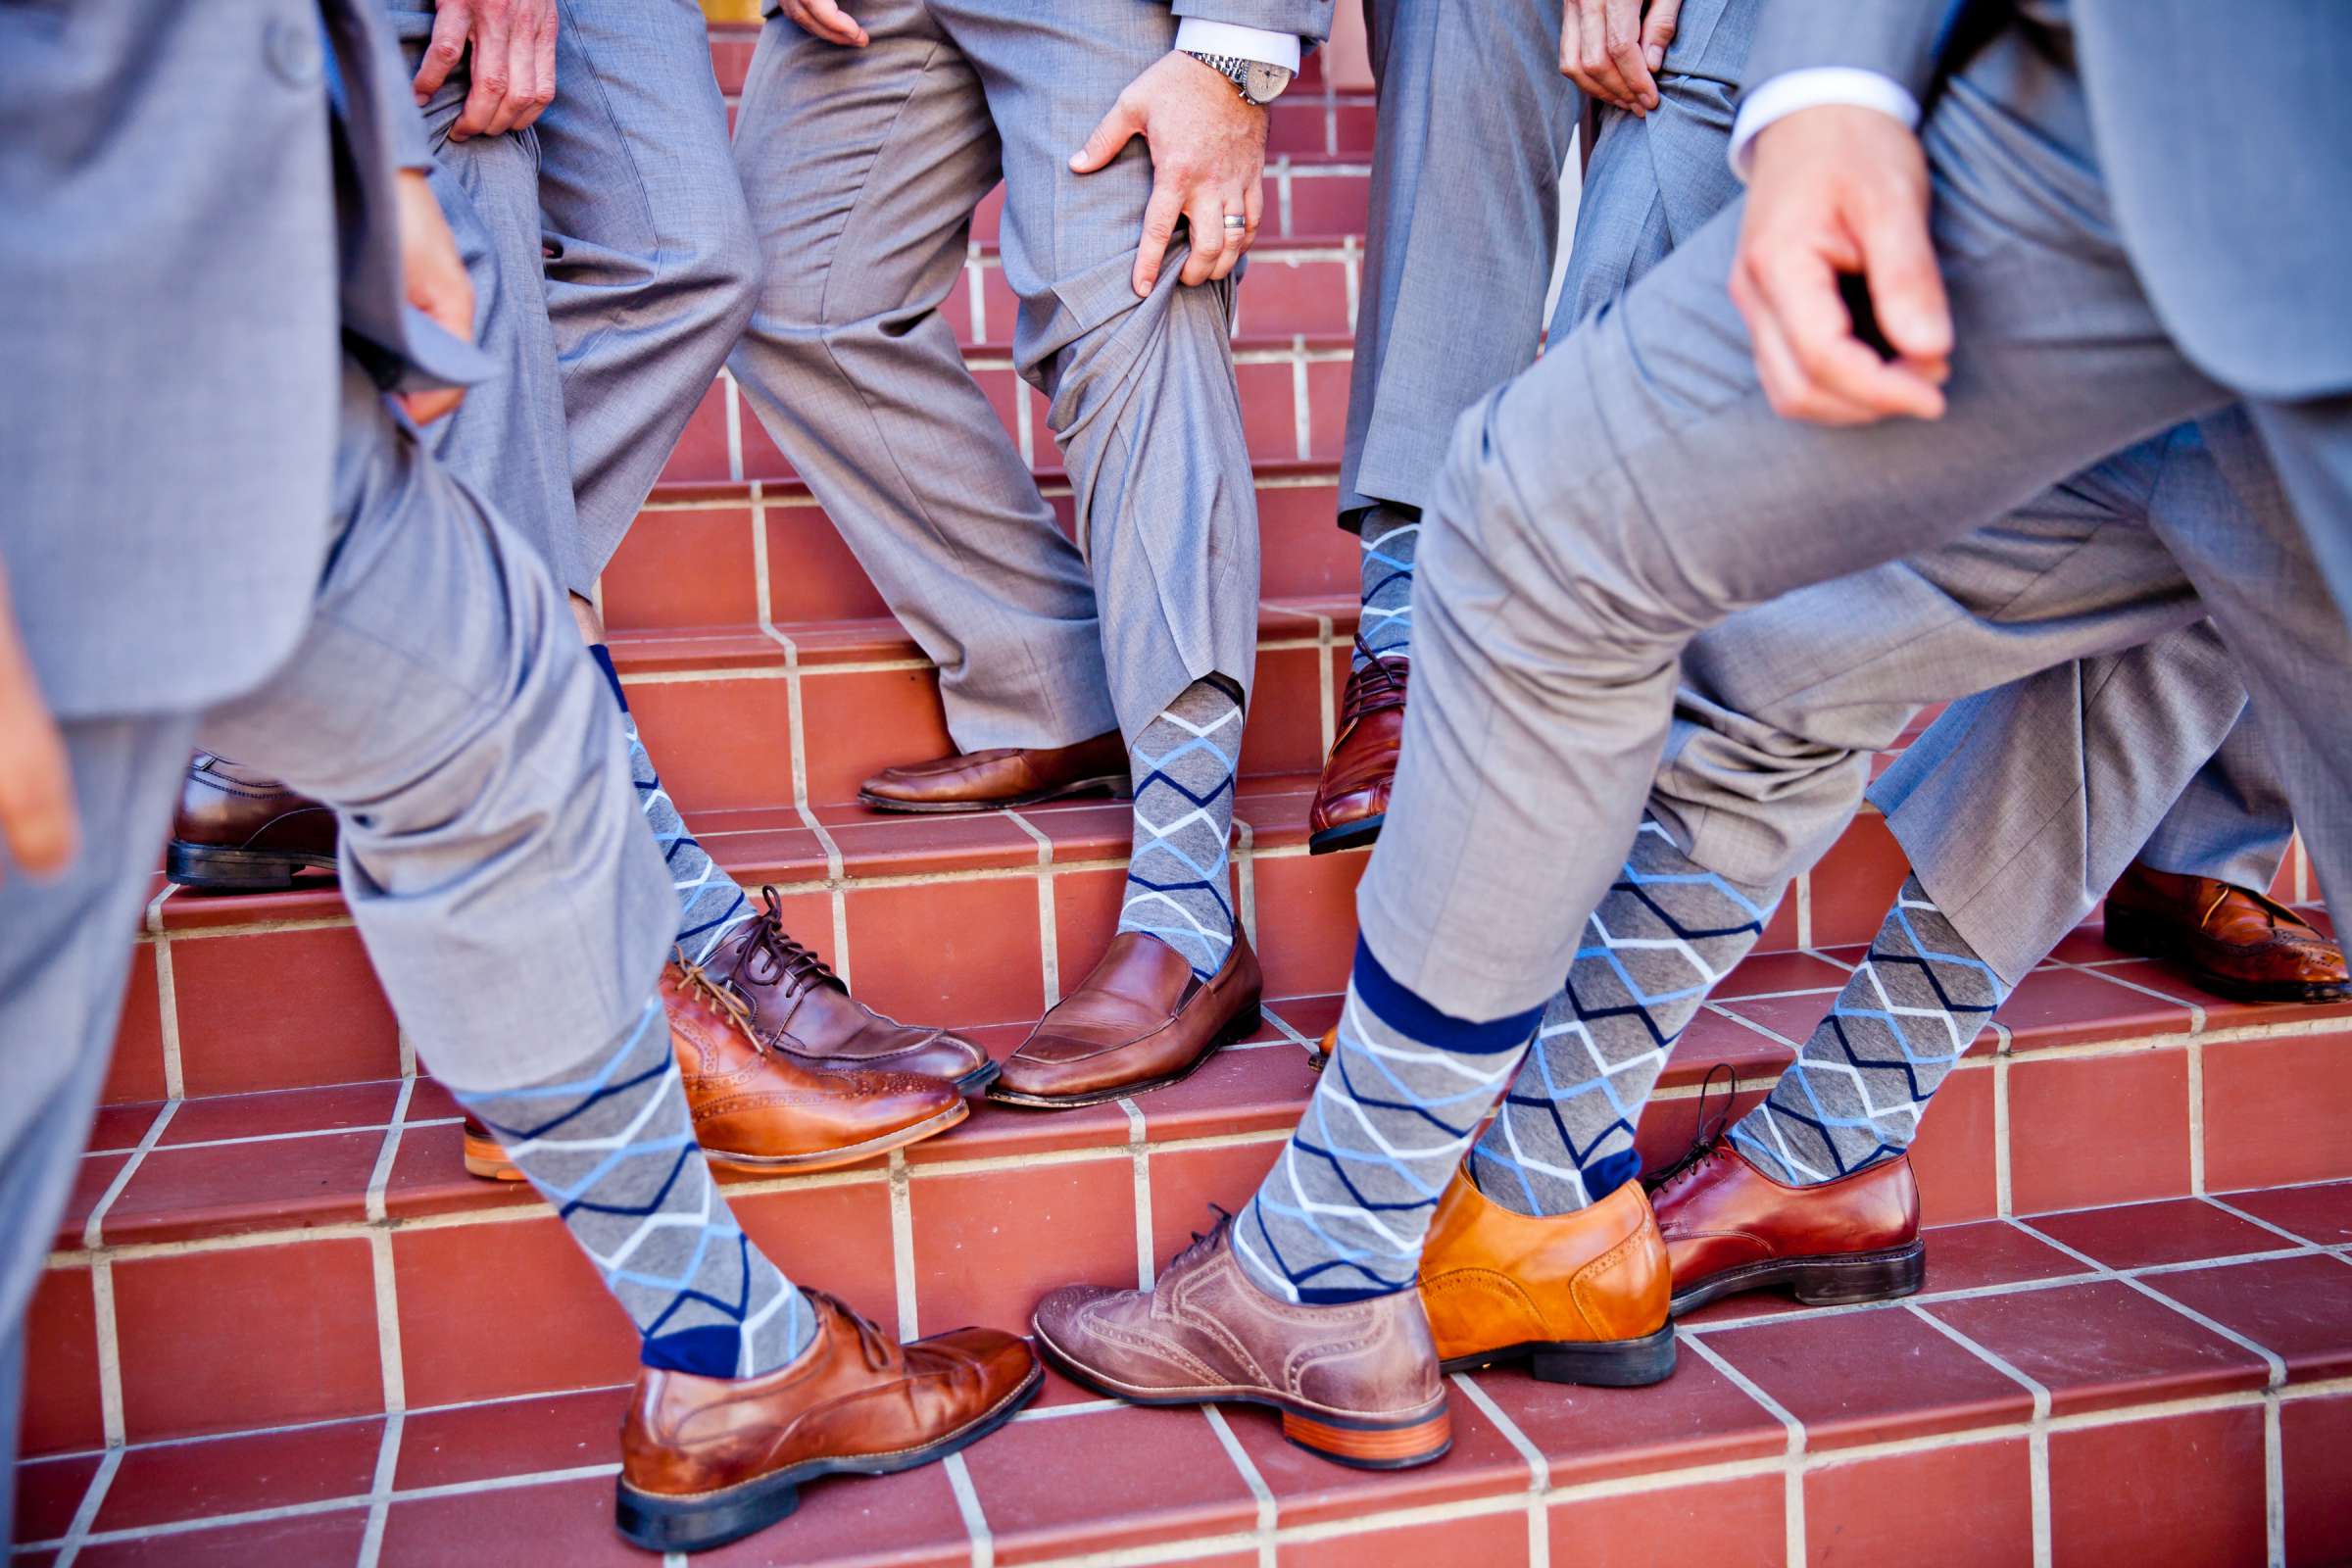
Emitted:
pixel 1608 1364
pixel 1880 1277
pixel 1369 1445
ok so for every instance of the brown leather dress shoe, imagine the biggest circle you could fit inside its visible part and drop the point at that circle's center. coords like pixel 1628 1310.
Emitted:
pixel 1580 1297
pixel 758 1110
pixel 2230 941
pixel 800 1011
pixel 1357 1383
pixel 986 781
pixel 239 830
pixel 1352 800
pixel 709 1460
pixel 1728 1227
pixel 1141 1020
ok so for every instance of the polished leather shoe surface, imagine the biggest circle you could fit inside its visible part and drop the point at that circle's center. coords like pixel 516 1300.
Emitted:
pixel 238 829
pixel 1580 1297
pixel 1357 1383
pixel 2231 942
pixel 1351 799
pixel 1141 1020
pixel 1728 1227
pixel 803 1011
pixel 983 781
pixel 709 1460
pixel 757 1110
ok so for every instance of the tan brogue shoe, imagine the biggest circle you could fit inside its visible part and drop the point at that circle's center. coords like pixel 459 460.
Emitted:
pixel 758 1110
pixel 2229 940
pixel 1580 1298
pixel 1141 1020
pixel 239 830
pixel 709 1460
pixel 984 781
pixel 1351 799
pixel 1357 1383
pixel 1728 1227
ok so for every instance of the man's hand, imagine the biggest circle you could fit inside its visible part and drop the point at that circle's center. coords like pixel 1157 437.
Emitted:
pixel 1841 189
pixel 1613 50
pixel 825 19
pixel 432 279
pixel 36 787
pixel 514 70
pixel 1208 160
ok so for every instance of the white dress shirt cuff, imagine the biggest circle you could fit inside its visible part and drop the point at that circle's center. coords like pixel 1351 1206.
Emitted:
pixel 1199 36
pixel 1811 88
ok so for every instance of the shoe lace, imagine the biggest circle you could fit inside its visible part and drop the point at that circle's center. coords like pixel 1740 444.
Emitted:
pixel 1203 1239
pixel 719 992
pixel 1706 1138
pixel 795 967
pixel 1373 686
pixel 877 1347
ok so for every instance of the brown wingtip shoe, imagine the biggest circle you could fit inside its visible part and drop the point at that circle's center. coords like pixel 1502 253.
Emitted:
pixel 1351 799
pixel 1728 1227
pixel 1580 1297
pixel 2231 941
pixel 1141 1020
pixel 709 1460
pixel 239 830
pixel 1357 1383
pixel 986 781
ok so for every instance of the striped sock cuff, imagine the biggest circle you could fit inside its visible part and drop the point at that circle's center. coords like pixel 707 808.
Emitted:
pixel 1417 1020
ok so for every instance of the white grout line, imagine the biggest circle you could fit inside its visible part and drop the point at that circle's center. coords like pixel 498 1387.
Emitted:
pixel 1025 421
pixel 166 996
pixel 734 411
pixel 975 291
pixel 968 1503
pixel 2276 1368
pixel 902 1245
pixel 2196 1116
pixel 92 1228
pixel 1351 262
pixel 299 1135
pixel 1244 873
pixel 93 1497
pixel 1049 934
pixel 1301 419
pixel 1268 1515
pixel 385 1280
pixel 1139 1147
pixel 1793 1505
pixel 1804 894
pixel 110 1353
pixel 1539 1469
pixel 379 1507
pixel 2037 1444
pixel 2003 1192
pixel 2197 1013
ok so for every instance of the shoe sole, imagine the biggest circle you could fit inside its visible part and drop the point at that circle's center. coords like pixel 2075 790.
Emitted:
pixel 1606 1364
pixel 1113 785
pixel 486 1160
pixel 1880 1276
pixel 714 1518
pixel 979 1078
pixel 2127 933
pixel 212 868
pixel 1356 1442
pixel 1242 1025
pixel 1347 836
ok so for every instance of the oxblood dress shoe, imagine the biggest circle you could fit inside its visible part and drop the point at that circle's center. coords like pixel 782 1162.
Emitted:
pixel 1581 1298
pixel 240 830
pixel 2232 942
pixel 1351 799
pixel 1356 1382
pixel 1728 1227
pixel 984 781
pixel 1141 1020
pixel 709 1460
pixel 755 1109
pixel 797 1008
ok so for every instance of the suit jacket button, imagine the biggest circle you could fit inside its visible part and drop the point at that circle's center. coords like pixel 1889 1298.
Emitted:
pixel 293 51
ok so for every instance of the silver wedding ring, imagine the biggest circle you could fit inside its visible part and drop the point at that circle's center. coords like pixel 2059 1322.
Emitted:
pixel 1236 221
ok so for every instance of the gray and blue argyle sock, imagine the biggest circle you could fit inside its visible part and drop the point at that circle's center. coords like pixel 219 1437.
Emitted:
pixel 613 1148
pixel 1387 538
pixel 1668 931
pixel 1178 883
pixel 1856 1091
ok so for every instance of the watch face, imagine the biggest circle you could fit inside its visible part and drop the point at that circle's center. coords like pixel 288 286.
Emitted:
pixel 1263 82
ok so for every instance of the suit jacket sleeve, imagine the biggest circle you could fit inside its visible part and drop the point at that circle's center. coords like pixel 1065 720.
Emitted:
pixel 1311 19
pixel 1895 38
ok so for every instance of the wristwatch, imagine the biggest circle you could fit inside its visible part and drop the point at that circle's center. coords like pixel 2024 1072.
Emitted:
pixel 1256 81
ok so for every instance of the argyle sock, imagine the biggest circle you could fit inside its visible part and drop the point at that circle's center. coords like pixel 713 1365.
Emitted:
pixel 1666 933
pixel 1387 538
pixel 1856 1091
pixel 1343 1214
pixel 1176 882
pixel 613 1148
pixel 710 902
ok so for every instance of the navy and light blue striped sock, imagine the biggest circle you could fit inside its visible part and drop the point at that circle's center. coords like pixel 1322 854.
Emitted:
pixel 1344 1211
pixel 1178 883
pixel 1856 1091
pixel 612 1146
pixel 710 902
pixel 1667 932
pixel 1388 537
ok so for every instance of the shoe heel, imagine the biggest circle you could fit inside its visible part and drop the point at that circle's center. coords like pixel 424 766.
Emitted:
pixel 1610 1364
pixel 2128 931
pixel 1244 1024
pixel 484 1159
pixel 1879 1278
pixel 1373 1446
pixel 218 870
pixel 679 1524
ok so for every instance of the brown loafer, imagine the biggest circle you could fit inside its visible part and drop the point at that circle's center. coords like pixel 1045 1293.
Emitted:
pixel 802 1010
pixel 758 1110
pixel 1581 1298
pixel 709 1460
pixel 986 781
pixel 2230 941
pixel 1728 1227
pixel 1141 1020
pixel 240 830
pixel 1351 799
pixel 1356 1382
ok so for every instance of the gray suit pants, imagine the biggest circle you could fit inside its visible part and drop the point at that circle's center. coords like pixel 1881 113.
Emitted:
pixel 1635 490
pixel 613 267
pixel 862 168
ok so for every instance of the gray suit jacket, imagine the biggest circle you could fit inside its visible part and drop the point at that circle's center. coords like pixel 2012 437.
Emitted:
pixel 191 238
pixel 2223 132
